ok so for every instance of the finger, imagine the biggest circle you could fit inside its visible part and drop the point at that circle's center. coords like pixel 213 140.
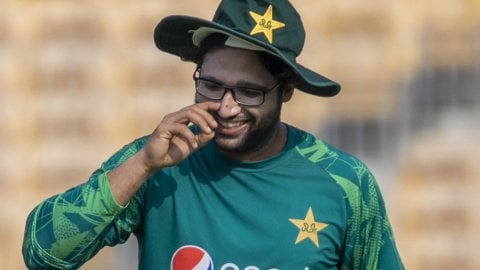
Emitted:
pixel 204 138
pixel 209 106
pixel 182 147
pixel 198 114
pixel 206 111
pixel 167 131
pixel 204 125
pixel 183 132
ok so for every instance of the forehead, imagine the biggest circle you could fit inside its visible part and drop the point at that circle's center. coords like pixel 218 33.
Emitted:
pixel 231 65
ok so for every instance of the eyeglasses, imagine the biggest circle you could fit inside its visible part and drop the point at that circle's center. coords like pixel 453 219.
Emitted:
pixel 248 96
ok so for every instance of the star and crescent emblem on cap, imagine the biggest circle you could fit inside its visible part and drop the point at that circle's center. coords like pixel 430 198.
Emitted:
pixel 308 228
pixel 265 24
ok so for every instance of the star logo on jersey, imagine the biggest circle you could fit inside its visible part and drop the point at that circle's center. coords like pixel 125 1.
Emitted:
pixel 308 228
pixel 265 24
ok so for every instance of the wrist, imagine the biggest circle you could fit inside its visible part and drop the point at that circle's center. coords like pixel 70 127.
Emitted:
pixel 144 162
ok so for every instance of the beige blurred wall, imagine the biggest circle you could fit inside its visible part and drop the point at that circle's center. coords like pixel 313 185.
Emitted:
pixel 79 79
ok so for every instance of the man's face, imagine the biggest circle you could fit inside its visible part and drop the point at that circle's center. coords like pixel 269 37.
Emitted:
pixel 242 129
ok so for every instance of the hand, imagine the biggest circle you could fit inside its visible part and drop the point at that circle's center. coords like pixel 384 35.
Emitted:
pixel 172 141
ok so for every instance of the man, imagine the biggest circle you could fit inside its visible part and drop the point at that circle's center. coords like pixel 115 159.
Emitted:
pixel 223 183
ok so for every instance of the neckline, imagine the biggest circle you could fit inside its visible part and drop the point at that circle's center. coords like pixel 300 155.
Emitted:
pixel 220 160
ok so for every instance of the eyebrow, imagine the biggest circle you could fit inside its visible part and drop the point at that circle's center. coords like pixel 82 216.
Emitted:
pixel 241 83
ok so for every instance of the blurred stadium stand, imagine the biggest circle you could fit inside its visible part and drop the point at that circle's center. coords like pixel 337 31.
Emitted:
pixel 79 79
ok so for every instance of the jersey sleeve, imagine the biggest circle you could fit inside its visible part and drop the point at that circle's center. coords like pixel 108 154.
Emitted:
pixel 369 242
pixel 68 229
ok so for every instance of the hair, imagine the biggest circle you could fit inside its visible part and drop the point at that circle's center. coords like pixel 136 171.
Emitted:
pixel 273 64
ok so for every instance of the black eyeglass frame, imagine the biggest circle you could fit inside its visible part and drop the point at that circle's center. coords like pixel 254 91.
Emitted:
pixel 233 89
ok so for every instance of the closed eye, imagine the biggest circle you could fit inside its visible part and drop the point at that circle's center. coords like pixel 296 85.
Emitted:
pixel 211 86
pixel 246 92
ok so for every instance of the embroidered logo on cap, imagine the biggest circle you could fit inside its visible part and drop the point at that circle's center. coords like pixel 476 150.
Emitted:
pixel 265 24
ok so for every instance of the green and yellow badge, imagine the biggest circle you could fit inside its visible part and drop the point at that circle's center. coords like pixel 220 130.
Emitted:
pixel 308 228
pixel 265 24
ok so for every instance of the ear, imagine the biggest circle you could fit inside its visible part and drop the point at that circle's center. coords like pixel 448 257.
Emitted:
pixel 287 92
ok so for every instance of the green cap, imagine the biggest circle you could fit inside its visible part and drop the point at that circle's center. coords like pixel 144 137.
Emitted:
pixel 273 26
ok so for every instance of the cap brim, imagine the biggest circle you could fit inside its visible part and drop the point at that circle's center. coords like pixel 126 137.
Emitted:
pixel 174 33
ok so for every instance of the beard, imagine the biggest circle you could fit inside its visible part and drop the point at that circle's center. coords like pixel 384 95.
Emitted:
pixel 260 132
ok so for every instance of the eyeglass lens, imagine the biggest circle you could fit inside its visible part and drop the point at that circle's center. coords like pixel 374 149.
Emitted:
pixel 242 95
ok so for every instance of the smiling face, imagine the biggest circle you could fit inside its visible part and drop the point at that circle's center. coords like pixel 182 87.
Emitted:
pixel 245 132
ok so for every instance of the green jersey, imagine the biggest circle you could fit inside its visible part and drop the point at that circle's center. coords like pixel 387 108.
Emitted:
pixel 310 207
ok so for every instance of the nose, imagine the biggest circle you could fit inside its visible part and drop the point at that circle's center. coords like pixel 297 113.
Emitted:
pixel 229 107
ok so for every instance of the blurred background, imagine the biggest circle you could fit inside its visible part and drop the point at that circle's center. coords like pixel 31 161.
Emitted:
pixel 79 79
